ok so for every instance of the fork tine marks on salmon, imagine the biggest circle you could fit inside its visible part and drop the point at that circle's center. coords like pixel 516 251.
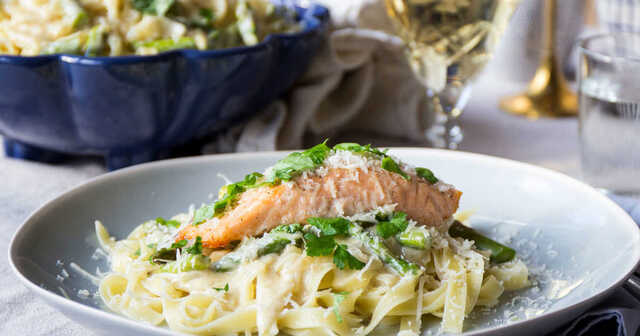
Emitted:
pixel 328 191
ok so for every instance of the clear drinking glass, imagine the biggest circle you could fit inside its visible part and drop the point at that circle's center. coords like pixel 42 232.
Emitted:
pixel 448 43
pixel 609 104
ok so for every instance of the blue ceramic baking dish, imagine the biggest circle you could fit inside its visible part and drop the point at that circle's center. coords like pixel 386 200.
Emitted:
pixel 133 109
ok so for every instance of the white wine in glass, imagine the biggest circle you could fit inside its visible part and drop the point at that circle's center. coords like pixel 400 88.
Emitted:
pixel 448 43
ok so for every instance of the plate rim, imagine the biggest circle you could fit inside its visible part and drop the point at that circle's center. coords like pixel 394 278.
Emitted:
pixel 59 301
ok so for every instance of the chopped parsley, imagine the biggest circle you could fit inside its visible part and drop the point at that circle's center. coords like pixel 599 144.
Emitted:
pixel 298 162
pixel 231 193
pixel 392 226
pixel 223 289
pixel 202 214
pixel 154 7
pixel 179 244
pixel 319 246
pixel 204 19
pixel 337 301
pixel 387 162
pixel 167 254
pixel 325 244
pixel 290 228
pixel 173 223
pixel 342 258
pixel 392 166
pixel 196 248
pixel 330 226
pixel 137 253
pixel 357 148
pixel 162 255
pixel 426 174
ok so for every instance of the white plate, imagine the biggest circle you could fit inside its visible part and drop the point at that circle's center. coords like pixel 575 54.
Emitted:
pixel 578 244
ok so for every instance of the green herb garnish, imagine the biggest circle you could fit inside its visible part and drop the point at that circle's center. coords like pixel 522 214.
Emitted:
pixel 288 228
pixel 325 244
pixel 396 224
pixel 137 253
pixel 392 166
pixel 426 174
pixel 387 162
pixel 223 289
pixel 297 163
pixel 204 19
pixel 330 226
pixel 165 254
pixel 342 258
pixel 205 212
pixel 231 193
pixel 319 246
pixel 179 244
pixel 154 7
pixel 196 248
pixel 173 223
pixel 357 148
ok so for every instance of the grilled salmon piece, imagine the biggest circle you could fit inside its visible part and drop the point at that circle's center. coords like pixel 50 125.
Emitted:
pixel 339 192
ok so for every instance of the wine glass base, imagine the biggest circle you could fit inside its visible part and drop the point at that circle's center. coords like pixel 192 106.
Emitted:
pixel 441 136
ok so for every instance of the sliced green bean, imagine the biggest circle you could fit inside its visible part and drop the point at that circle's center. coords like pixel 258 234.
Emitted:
pixel 169 44
pixel 71 44
pixel 499 253
pixel 376 245
pixel 95 41
pixel 269 243
pixel 187 263
pixel 417 238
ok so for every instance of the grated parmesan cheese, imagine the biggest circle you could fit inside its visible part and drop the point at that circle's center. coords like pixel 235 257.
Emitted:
pixel 370 216
pixel 350 160
pixel 94 279
pixel 83 294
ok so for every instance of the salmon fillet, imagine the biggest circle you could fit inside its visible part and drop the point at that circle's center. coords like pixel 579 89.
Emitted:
pixel 339 192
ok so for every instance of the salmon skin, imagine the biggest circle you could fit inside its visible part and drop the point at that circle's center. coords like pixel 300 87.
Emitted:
pixel 335 192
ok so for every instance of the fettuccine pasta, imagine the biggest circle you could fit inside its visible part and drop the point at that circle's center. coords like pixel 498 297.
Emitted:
pixel 298 294
pixel 121 27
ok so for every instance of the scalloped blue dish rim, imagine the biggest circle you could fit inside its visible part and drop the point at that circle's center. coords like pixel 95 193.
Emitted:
pixel 23 134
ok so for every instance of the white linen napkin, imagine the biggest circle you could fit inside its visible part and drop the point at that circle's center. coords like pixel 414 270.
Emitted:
pixel 359 80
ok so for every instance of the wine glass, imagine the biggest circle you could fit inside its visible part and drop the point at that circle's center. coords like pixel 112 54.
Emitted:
pixel 448 43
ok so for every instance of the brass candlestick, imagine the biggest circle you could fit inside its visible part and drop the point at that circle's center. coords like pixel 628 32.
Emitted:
pixel 548 93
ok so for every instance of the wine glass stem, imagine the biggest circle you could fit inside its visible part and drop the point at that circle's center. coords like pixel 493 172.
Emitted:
pixel 447 105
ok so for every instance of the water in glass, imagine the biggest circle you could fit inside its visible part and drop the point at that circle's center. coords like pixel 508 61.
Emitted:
pixel 610 133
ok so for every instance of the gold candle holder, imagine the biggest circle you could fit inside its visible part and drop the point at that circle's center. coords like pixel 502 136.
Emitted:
pixel 548 94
